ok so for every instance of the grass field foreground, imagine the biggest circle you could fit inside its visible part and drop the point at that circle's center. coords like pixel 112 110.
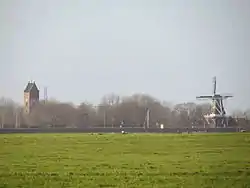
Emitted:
pixel 132 160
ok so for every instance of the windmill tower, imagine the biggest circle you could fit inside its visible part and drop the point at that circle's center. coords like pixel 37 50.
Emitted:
pixel 217 117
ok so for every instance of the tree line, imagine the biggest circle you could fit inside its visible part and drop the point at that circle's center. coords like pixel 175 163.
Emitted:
pixel 111 112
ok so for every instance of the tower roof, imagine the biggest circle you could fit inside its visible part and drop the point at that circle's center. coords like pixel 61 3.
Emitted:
pixel 30 86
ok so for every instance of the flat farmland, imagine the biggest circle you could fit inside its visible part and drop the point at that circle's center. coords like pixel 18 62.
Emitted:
pixel 125 160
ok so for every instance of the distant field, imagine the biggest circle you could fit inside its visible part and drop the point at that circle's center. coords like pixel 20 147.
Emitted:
pixel 132 160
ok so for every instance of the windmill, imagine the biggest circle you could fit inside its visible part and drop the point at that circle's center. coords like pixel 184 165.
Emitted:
pixel 217 117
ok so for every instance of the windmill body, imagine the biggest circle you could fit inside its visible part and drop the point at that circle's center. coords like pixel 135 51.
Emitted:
pixel 217 117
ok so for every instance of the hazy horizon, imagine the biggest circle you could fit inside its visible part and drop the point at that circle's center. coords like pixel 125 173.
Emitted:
pixel 82 50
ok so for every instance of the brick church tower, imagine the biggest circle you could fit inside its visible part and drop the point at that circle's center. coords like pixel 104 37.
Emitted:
pixel 31 96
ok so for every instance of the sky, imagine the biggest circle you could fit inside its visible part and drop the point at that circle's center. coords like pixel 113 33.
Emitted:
pixel 83 49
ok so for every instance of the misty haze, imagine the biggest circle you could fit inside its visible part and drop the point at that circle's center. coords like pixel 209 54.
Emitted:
pixel 125 67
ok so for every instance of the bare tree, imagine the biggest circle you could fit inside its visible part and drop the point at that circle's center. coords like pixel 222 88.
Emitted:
pixel 86 115
pixel 7 112
pixel 113 109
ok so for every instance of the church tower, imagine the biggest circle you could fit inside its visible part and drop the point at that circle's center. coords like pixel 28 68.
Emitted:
pixel 31 96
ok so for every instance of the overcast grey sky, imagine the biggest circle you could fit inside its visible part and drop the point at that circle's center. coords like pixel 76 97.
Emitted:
pixel 84 49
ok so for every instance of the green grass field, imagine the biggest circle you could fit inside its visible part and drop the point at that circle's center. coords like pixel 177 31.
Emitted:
pixel 132 160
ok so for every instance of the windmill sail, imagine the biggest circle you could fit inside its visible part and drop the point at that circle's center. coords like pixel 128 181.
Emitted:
pixel 218 114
